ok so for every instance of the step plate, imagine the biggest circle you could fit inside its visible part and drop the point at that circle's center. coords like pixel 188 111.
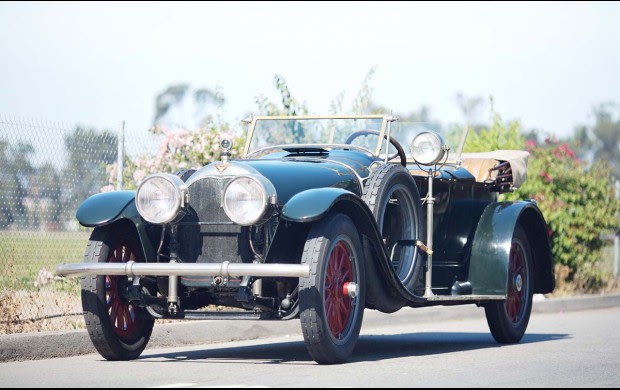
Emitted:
pixel 223 315
pixel 464 298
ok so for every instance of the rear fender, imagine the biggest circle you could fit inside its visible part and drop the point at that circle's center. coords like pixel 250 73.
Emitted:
pixel 109 208
pixel 488 270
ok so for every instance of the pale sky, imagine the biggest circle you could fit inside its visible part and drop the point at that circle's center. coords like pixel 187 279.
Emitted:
pixel 98 63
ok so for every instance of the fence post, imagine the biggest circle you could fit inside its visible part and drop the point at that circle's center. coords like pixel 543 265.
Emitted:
pixel 617 238
pixel 120 161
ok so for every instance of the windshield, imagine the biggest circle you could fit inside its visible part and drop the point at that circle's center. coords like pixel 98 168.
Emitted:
pixel 319 130
pixel 362 131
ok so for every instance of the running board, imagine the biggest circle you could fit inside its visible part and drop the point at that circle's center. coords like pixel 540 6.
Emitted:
pixel 462 299
pixel 221 315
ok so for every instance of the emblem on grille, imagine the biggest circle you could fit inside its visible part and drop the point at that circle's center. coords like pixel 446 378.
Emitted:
pixel 221 167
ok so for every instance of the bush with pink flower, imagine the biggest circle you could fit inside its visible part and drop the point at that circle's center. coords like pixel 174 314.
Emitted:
pixel 178 149
pixel 576 198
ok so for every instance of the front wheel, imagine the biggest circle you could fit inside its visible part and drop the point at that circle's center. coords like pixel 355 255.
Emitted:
pixel 332 299
pixel 118 329
pixel 508 320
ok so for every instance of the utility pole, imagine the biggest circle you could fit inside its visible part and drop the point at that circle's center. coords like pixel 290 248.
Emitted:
pixel 120 159
pixel 617 238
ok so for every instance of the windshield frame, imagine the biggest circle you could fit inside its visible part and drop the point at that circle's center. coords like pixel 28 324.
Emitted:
pixel 386 120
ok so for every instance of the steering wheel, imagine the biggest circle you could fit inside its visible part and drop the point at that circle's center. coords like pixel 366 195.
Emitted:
pixel 400 152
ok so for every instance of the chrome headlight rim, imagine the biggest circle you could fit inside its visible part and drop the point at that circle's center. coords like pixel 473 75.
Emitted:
pixel 438 144
pixel 267 201
pixel 177 211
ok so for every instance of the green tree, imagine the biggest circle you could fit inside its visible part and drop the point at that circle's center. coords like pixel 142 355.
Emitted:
pixel 607 137
pixel 89 152
pixel 46 188
pixel 15 175
pixel 181 106
pixel 500 136
pixel 600 141
pixel 470 106
pixel 364 103
pixel 288 105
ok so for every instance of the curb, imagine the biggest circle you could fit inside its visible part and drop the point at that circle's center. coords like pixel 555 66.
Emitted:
pixel 49 345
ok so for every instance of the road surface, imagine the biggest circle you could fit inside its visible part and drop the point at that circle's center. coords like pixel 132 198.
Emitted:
pixel 571 349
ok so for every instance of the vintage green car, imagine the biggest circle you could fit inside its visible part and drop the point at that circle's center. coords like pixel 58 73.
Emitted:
pixel 320 218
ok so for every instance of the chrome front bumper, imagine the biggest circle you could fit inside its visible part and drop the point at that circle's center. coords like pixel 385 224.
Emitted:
pixel 225 269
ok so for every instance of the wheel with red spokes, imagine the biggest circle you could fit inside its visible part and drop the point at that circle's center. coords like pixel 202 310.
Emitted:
pixel 332 299
pixel 508 320
pixel 118 329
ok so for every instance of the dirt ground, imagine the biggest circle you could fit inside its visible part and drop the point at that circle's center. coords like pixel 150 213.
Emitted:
pixel 40 311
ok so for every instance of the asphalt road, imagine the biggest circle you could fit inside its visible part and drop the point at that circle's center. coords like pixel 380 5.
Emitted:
pixel 566 349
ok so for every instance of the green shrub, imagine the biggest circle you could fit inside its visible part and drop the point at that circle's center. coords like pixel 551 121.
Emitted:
pixel 575 197
pixel 578 202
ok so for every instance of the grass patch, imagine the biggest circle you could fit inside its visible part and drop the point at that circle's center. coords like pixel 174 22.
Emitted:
pixel 24 254
pixel 31 298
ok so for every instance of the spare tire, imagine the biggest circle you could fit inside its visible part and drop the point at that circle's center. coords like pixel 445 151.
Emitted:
pixel 393 197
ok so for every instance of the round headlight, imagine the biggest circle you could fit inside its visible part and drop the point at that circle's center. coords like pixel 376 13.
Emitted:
pixel 428 148
pixel 247 198
pixel 159 198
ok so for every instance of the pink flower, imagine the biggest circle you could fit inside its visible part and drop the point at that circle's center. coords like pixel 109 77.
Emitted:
pixel 548 178
pixel 567 151
pixel 138 175
pixel 44 277
pixel 108 188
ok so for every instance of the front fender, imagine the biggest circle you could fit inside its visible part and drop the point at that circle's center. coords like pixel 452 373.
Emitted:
pixel 384 292
pixel 313 204
pixel 103 209
pixel 108 208
pixel 488 271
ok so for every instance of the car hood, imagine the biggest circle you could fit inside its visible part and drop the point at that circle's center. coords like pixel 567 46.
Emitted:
pixel 293 174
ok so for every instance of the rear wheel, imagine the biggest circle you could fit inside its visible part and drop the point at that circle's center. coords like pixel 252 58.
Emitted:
pixel 332 299
pixel 508 320
pixel 118 329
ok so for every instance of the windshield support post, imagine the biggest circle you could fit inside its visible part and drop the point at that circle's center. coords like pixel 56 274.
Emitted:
pixel 459 151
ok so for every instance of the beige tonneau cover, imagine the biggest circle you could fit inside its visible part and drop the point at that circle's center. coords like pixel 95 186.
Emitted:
pixel 516 158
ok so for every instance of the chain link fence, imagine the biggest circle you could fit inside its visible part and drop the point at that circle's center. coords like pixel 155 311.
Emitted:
pixel 47 169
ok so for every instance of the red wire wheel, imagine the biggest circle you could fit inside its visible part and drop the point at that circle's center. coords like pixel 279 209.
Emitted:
pixel 338 304
pixel 118 329
pixel 123 316
pixel 516 294
pixel 332 298
pixel 508 320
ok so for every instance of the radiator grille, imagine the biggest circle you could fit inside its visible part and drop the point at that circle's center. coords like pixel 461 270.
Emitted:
pixel 206 234
pixel 205 198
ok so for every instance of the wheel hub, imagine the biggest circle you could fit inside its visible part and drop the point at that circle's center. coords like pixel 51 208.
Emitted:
pixel 349 289
pixel 518 283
